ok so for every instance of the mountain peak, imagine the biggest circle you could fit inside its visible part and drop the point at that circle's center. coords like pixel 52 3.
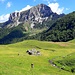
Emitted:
pixel 45 8
pixel 36 14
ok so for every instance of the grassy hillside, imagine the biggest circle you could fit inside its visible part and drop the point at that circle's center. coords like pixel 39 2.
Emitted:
pixel 72 41
pixel 15 61
pixel 66 62
pixel 19 33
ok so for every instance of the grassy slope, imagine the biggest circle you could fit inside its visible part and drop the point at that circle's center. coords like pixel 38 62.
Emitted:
pixel 14 64
pixel 67 62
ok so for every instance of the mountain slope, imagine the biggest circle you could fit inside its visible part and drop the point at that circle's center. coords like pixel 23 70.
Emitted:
pixel 35 15
pixel 62 30
pixel 29 22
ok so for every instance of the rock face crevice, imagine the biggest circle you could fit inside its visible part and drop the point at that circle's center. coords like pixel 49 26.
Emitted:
pixel 14 16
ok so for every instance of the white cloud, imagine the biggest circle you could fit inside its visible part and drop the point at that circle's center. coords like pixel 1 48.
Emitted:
pixel 8 5
pixel 55 8
pixel 54 5
pixel 26 8
pixel 4 18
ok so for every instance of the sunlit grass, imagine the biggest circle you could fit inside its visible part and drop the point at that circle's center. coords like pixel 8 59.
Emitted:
pixel 15 61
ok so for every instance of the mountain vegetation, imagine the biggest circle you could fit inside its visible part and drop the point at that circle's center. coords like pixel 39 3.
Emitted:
pixel 49 28
pixel 66 63
pixel 62 30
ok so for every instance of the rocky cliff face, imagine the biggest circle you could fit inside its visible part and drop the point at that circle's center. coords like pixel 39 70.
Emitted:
pixel 14 16
pixel 36 14
pixel 13 20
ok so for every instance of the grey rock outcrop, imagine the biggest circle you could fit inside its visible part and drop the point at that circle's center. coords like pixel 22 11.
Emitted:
pixel 36 14
pixel 14 16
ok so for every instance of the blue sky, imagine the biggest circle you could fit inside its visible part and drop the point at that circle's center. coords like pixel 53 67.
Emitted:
pixel 58 6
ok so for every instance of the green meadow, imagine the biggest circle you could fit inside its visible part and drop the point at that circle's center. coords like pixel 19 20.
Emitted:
pixel 15 61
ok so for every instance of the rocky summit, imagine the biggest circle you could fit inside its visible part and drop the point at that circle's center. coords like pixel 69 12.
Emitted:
pixel 36 14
